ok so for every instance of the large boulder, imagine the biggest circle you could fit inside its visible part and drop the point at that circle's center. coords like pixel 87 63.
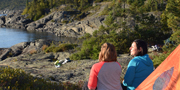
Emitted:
pixel 24 48
pixel 36 46
pixel 4 54
pixel 18 48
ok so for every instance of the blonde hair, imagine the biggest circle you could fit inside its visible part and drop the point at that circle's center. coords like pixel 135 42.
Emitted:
pixel 107 53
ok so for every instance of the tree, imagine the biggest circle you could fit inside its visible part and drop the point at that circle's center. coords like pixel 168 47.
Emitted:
pixel 172 13
pixel 26 3
pixel 83 3
pixel 76 3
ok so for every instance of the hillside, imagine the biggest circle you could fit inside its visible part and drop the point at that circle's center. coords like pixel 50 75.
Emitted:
pixel 13 4
pixel 117 22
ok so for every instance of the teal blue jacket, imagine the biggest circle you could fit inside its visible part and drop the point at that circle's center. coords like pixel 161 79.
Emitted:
pixel 139 68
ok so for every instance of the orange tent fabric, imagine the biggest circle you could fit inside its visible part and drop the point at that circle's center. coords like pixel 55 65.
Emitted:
pixel 166 76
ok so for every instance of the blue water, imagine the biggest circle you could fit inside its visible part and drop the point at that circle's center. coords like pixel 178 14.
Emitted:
pixel 10 37
pixel 2 14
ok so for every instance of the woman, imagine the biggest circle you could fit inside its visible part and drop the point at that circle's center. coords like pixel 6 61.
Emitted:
pixel 140 67
pixel 105 75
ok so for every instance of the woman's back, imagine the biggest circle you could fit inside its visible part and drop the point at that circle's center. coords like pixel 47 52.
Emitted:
pixel 108 74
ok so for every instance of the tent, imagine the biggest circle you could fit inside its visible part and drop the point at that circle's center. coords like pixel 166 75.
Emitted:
pixel 166 76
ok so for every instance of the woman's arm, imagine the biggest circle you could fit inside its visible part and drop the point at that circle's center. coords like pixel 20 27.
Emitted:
pixel 93 79
pixel 130 73
pixel 92 83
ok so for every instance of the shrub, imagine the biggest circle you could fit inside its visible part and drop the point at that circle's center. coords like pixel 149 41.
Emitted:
pixel 44 47
pixel 167 49
pixel 109 20
pixel 105 11
pixel 17 79
pixel 60 47
pixel 91 46
pixel 50 48
pixel 33 51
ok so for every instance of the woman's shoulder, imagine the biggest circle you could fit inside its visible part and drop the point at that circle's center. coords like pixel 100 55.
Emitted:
pixel 98 64
pixel 140 57
pixel 135 60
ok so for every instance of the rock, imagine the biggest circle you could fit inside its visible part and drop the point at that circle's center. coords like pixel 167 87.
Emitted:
pixel 61 55
pixel 25 48
pixel 16 20
pixel 2 20
pixel 36 46
pixel 18 48
pixel 77 29
pixel 89 29
pixel 13 19
pixel 31 26
pixel 4 54
pixel 56 22
pixel 41 65
pixel 58 16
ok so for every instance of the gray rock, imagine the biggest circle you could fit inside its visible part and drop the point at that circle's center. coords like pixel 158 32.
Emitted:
pixel 55 23
pixel 4 54
pixel 2 20
pixel 41 65
pixel 18 48
pixel 25 48
pixel 58 16
pixel 31 26
pixel 16 20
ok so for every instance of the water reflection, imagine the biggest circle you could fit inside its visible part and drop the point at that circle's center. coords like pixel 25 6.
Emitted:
pixel 10 37
pixel 2 14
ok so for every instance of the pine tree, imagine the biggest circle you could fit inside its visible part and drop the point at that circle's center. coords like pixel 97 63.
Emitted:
pixel 26 3
pixel 172 13
pixel 76 2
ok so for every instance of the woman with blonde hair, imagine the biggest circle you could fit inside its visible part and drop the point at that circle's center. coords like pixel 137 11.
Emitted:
pixel 105 75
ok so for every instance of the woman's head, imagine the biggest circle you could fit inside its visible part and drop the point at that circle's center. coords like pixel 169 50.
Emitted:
pixel 138 48
pixel 107 53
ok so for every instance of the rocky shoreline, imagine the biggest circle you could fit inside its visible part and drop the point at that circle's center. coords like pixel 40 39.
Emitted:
pixel 30 57
pixel 41 64
pixel 55 22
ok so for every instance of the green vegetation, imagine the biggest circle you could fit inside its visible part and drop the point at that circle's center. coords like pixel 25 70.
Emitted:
pixel 171 18
pixel 37 9
pixel 60 48
pixel 146 26
pixel 167 49
pixel 17 79
pixel 13 4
